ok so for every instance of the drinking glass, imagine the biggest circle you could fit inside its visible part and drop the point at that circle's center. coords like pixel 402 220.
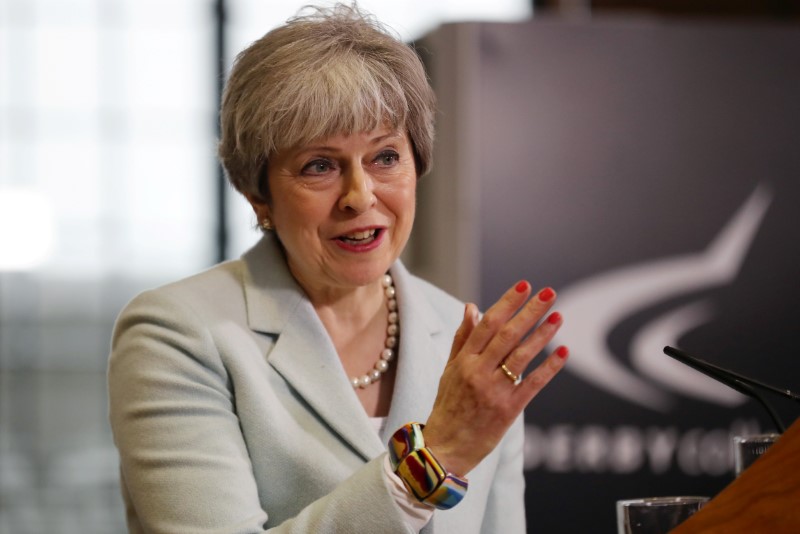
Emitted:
pixel 655 515
pixel 747 449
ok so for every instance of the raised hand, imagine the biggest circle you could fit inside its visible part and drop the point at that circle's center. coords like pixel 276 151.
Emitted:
pixel 478 399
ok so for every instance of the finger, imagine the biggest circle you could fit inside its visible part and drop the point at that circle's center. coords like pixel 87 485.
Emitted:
pixel 535 382
pixel 518 360
pixel 511 334
pixel 496 316
pixel 468 323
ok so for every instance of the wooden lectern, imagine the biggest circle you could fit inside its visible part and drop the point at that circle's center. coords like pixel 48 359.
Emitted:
pixel 765 498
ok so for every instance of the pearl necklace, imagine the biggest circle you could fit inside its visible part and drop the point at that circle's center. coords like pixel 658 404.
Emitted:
pixel 382 365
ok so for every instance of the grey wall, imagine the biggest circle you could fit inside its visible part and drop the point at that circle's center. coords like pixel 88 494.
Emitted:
pixel 649 172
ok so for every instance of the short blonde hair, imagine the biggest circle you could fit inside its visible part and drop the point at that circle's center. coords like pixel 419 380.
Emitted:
pixel 334 71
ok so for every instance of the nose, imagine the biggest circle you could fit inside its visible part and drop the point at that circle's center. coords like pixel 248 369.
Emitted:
pixel 357 191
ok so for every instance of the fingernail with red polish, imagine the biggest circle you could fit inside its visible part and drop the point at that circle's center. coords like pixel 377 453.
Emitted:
pixel 546 294
pixel 521 287
pixel 562 351
pixel 554 318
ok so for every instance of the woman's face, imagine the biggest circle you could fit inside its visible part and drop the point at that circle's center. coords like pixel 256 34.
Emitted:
pixel 342 207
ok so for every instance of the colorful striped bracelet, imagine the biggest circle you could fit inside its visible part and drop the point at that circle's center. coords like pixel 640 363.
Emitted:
pixel 421 472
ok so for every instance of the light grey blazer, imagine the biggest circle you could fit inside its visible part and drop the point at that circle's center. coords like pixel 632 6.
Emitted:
pixel 233 414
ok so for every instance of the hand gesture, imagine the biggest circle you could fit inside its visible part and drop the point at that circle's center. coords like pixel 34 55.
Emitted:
pixel 480 392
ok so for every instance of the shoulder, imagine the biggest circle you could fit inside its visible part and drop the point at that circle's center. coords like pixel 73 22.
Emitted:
pixel 217 288
pixel 222 288
pixel 426 298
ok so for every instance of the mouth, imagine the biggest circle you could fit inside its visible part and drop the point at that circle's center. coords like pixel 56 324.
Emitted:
pixel 362 237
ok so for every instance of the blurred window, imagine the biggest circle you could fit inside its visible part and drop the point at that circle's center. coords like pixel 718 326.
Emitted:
pixel 108 186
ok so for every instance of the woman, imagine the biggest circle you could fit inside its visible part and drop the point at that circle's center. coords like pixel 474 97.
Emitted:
pixel 263 393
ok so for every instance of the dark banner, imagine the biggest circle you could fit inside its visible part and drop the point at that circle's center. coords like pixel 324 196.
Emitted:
pixel 650 173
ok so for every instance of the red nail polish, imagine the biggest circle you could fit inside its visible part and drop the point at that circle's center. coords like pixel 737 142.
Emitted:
pixel 554 318
pixel 562 352
pixel 546 294
pixel 521 287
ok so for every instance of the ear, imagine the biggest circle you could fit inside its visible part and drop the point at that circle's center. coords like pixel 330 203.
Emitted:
pixel 260 207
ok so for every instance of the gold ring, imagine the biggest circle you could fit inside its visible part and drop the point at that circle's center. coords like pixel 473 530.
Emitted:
pixel 511 376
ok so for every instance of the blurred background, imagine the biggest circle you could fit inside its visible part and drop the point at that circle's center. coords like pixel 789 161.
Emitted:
pixel 639 156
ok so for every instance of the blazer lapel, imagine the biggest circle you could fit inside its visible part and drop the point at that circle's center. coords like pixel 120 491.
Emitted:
pixel 304 353
pixel 421 360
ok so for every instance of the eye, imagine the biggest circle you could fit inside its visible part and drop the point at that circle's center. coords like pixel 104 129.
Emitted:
pixel 387 158
pixel 317 167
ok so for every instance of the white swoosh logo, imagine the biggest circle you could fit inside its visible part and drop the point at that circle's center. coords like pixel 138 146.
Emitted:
pixel 647 357
pixel 593 306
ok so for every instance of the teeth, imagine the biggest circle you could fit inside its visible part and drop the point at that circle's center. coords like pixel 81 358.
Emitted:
pixel 358 236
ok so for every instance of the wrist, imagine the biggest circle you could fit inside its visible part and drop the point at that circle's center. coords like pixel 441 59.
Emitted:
pixel 446 454
pixel 423 475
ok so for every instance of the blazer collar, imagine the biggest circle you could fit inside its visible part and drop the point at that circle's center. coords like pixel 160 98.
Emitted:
pixel 271 293
pixel 305 356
